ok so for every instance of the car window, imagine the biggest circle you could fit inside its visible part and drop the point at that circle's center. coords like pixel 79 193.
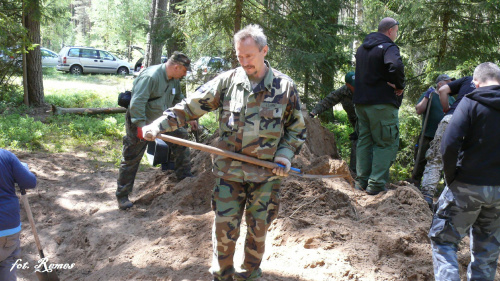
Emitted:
pixel 89 53
pixel 105 55
pixel 45 53
pixel 74 53
pixel 215 63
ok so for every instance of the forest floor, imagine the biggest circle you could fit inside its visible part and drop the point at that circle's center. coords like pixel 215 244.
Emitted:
pixel 326 230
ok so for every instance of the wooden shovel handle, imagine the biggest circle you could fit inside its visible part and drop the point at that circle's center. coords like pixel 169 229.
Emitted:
pixel 218 151
pixel 27 207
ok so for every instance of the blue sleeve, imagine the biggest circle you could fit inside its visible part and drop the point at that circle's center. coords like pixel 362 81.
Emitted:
pixel 453 138
pixel 22 176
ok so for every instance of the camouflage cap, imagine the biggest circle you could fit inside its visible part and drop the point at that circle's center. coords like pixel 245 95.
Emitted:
pixel 181 59
pixel 443 77
pixel 349 78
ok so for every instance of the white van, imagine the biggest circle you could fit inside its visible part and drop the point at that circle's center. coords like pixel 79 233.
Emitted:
pixel 78 60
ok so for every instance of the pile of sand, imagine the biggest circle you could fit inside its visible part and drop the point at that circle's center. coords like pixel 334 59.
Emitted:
pixel 326 230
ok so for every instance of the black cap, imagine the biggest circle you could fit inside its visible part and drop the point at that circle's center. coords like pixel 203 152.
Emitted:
pixel 443 77
pixel 181 59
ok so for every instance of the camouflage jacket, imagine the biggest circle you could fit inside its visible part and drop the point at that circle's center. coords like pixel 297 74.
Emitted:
pixel 263 123
pixel 152 94
pixel 342 95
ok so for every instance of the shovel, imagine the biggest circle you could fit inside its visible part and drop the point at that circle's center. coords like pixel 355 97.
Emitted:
pixel 244 158
pixel 421 141
pixel 42 276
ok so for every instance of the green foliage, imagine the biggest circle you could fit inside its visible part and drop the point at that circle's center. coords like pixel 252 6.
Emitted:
pixel 10 96
pixel 409 130
pixel 341 128
pixel 22 132
pixel 209 121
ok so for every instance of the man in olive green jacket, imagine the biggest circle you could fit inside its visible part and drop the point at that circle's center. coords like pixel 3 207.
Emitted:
pixel 155 89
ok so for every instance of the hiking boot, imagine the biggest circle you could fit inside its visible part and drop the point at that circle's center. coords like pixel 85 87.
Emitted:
pixel 374 191
pixel 358 186
pixel 124 203
pixel 185 174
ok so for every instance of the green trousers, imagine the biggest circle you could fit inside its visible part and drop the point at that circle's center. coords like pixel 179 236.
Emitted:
pixel 378 141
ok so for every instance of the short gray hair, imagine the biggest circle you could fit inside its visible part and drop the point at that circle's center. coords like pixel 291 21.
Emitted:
pixel 386 24
pixel 254 31
pixel 487 71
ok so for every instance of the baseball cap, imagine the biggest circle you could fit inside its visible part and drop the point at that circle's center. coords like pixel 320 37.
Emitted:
pixel 181 59
pixel 349 78
pixel 443 77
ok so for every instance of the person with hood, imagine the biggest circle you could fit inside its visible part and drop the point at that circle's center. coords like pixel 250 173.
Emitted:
pixel 379 92
pixel 470 203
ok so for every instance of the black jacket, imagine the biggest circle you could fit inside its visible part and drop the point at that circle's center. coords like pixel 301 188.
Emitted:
pixel 377 62
pixel 473 138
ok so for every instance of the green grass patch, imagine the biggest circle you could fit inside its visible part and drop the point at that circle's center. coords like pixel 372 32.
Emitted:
pixel 98 135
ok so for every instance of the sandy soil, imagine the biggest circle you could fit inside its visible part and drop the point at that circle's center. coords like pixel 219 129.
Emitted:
pixel 326 230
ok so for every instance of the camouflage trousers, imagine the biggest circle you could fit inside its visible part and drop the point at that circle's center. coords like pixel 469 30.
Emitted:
pixel 133 151
pixel 464 208
pixel 260 202
pixel 434 166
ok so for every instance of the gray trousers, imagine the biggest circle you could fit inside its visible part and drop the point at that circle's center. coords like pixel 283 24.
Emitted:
pixel 10 250
pixel 465 208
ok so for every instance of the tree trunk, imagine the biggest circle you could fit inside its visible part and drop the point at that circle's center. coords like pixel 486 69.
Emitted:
pixel 237 26
pixel 155 44
pixel 33 62
pixel 444 37
pixel 107 110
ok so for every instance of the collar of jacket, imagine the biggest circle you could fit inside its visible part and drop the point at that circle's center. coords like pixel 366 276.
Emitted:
pixel 163 68
pixel 242 78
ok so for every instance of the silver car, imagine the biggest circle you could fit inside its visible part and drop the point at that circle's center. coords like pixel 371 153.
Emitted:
pixel 49 58
pixel 78 60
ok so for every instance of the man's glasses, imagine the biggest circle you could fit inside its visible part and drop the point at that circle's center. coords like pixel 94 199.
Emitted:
pixel 396 23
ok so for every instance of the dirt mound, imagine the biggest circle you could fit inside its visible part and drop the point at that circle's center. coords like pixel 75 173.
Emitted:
pixel 326 230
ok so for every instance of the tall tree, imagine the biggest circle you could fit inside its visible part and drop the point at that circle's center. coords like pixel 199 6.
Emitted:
pixel 154 42
pixel 33 62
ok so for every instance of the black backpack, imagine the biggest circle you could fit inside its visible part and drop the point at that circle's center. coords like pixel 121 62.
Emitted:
pixel 125 97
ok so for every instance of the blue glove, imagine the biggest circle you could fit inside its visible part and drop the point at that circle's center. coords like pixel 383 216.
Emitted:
pixel 429 92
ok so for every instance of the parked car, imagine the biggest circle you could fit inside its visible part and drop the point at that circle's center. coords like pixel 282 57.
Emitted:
pixel 206 68
pixel 78 60
pixel 49 58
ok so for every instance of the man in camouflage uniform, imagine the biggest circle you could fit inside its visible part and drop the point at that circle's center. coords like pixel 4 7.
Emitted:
pixel 434 165
pixel 155 89
pixel 259 116
pixel 344 96
pixel 470 204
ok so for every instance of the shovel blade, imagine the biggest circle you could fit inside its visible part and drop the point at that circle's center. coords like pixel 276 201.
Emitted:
pixel 47 276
